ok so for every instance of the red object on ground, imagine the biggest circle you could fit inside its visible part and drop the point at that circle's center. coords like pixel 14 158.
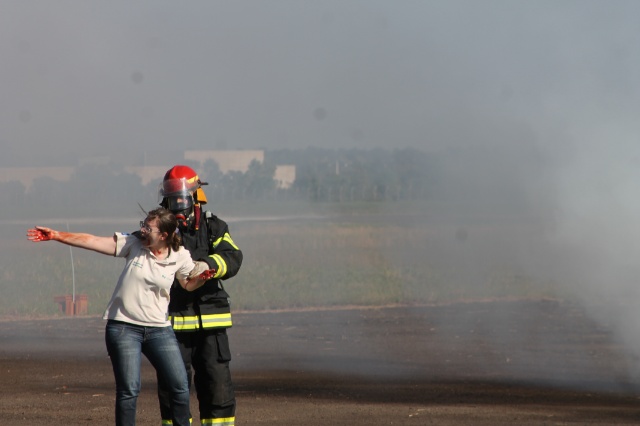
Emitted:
pixel 71 308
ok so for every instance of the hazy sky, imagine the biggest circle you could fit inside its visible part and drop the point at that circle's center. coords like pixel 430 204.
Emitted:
pixel 103 77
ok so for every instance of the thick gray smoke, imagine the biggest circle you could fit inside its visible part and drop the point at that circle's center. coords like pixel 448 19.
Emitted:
pixel 531 107
pixel 594 248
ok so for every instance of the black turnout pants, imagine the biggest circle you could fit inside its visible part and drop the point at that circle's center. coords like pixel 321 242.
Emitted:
pixel 206 356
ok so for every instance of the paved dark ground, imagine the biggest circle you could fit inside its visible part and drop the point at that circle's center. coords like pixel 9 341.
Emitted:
pixel 489 363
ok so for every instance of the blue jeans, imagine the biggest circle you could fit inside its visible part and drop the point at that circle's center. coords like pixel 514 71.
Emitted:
pixel 125 344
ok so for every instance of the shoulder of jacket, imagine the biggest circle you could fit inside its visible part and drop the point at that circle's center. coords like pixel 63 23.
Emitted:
pixel 210 216
pixel 213 218
pixel 214 225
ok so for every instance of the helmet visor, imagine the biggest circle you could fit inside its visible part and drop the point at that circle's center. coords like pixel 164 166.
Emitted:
pixel 180 186
pixel 177 203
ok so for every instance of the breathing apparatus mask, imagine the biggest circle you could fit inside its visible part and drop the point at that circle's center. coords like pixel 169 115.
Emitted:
pixel 180 206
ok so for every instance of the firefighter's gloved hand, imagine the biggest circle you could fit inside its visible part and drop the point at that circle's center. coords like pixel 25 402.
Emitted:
pixel 199 268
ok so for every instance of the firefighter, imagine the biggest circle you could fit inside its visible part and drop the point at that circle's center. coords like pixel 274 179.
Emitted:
pixel 200 318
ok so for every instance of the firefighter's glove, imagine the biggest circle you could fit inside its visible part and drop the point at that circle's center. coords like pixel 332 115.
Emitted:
pixel 198 269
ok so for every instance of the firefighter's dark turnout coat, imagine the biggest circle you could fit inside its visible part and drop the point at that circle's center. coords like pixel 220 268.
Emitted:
pixel 208 306
pixel 200 319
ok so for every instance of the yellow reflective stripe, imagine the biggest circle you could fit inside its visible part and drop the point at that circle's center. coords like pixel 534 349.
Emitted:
pixel 185 323
pixel 208 321
pixel 228 421
pixel 216 242
pixel 167 422
pixel 216 320
pixel 226 237
pixel 222 266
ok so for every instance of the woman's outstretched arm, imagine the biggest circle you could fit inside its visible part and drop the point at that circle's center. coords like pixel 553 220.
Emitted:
pixel 105 245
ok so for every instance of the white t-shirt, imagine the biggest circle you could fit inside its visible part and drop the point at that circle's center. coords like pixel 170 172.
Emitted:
pixel 142 294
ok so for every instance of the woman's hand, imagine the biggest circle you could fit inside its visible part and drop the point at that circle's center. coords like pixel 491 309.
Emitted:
pixel 207 275
pixel 198 281
pixel 40 233
pixel 105 245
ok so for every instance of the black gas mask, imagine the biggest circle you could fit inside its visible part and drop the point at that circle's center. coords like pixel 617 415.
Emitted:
pixel 181 206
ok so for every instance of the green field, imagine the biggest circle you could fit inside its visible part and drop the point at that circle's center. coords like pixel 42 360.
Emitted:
pixel 332 258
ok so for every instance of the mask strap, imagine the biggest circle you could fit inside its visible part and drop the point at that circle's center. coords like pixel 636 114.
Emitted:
pixel 196 213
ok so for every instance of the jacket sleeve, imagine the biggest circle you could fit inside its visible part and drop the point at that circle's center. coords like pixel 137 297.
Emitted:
pixel 224 256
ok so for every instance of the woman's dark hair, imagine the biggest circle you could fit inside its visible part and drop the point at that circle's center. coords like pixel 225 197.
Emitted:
pixel 168 223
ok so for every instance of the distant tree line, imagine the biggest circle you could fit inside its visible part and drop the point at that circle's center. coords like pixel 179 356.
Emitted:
pixel 503 178
pixel 322 175
pixel 325 175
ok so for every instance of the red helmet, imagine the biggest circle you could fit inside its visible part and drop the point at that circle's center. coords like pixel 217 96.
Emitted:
pixel 180 189
pixel 179 180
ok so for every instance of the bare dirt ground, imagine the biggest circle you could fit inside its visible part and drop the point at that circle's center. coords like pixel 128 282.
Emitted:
pixel 484 363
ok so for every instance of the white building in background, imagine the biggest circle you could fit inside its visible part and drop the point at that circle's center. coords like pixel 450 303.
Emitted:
pixel 285 176
pixel 227 161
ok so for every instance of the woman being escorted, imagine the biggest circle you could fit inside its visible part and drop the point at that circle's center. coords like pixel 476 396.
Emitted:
pixel 137 312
